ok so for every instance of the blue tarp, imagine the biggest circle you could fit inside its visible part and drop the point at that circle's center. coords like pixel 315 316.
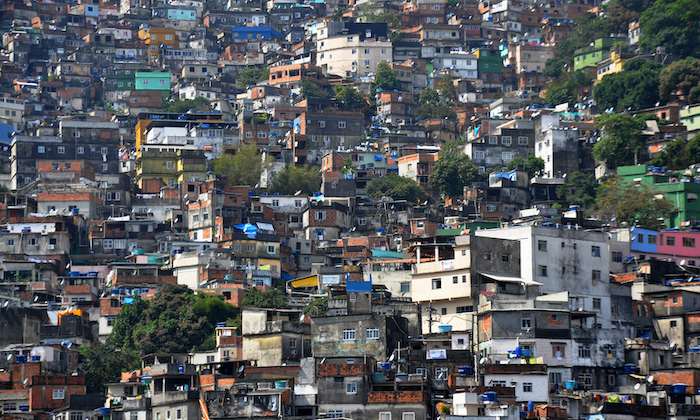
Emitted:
pixel 249 229
pixel 286 276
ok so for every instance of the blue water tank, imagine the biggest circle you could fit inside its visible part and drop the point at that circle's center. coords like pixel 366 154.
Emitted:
pixel 180 368
pixel 490 396
pixel 530 406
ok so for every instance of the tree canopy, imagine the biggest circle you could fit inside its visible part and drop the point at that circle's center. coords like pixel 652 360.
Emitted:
pixel 635 205
pixel 243 168
pixel 292 179
pixel 318 307
pixel 635 87
pixel 271 298
pixel 447 89
pixel 587 28
pixel 568 87
pixel 371 13
pixel 681 78
pixel 312 90
pixel 679 154
pixel 386 78
pixel 453 170
pixel 351 98
pixel 533 165
pixel 396 187
pixel 429 96
pixel 430 111
pixel 579 189
pixel 251 76
pixel 673 24
pixel 622 140
pixel 181 106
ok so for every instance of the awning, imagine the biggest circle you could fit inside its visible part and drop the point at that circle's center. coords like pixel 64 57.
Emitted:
pixel 403 260
pixel 510 279
pixel 310 281
pixel 286 276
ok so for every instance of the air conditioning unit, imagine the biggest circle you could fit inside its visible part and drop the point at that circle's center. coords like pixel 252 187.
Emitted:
pixel 44 232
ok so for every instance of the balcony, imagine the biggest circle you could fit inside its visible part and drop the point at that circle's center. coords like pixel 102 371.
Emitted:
pixel 287 327
pixel 342 370
pixel 394 397
pixel 136 404
pixel 172 369
pixel 174 397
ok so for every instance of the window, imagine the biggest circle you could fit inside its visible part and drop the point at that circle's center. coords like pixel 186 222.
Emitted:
pixel 437 284
pixel 76 415
pixel 493 140
pixel 525 323
pixel 104 150
pixel 250 248
pixel 595 275
pixel 341 124
pixel 405 287
pixel 178 412
pixel 617 256
pixel 596 304
pixel 674 324
pixel 465 309
pixel 422 371
pixel 441 373
pixel 542 246
pixel 385 415
pixel 527 386
pixel 505 258
pixel 455 279
pixel 61 149
pixel 488 256
pixel 479 155
pixel 408 416
pixel 595 251
pixel 558 351
pixel 651 239
pixel 554 377
pixel 195 218
pixel 108 244
pixel 443 311
pixel 335 414
pixel 10 242
pixel 689 242
pixel 168 37
pixel 372 333
pixel 506 140
pixel 351 388
pixel 542 270
pixel 464 279
pixel 59 394
pixel 584 352
pixel 33 242
pixel 322 124
pixel 671 240
pixel 320 215
pixel 41 149
pixel 349 334
pixel 522 141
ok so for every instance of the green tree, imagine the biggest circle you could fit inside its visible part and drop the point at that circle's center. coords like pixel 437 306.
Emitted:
pixel 291 179
pixel 579 189
pixel 271 298
pixel 243 168
pixel 429 111
pixel 622 140
pixel 169 323
pixel 587 28
pixel 453 170
pixel 318 307
pixel 635 87
pixel 429 96
pixel 351 98
pixel 396 187
pixel 312 90
pixel 553 68
pixel 635 205
pixel 447 89
pixel 181 106
pixel 681 78
pixel 103 363
pixel 680 153
pixel 372 13
pixel 386 78
pixel 569 87
pixel 620 13
pixel 252 75
pixel 214 309
pixel 533 165
pixel 673 24
pixel 338 13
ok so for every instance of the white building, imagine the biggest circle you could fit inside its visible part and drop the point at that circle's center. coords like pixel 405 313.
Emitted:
pixel 460 62
pixel 347 56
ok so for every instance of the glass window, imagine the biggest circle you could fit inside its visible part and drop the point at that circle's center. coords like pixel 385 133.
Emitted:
pixel 525 323
pixel 595 251
pixel 349 334
pixel 542 246
pixel 351 388
pixel 372 333
pixel 437 284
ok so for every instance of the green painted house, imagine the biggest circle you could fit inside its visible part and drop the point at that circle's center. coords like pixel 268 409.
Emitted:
pixel 489 61
pixel 690 117
pixel 158 81
pixel 684 195
pixel 599 50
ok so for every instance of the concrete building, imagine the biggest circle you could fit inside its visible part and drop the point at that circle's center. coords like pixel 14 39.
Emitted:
pixel 349 56
pixel 275 337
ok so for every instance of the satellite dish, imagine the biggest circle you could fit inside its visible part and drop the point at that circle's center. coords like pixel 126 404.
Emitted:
pixel 36 298
pixel 9 356
pixel 672 344
pixel 297 193
pixel 650 378
pixel 391 358
pixel 637 386
pixel 25 381
pixel 482 360
pixel 600 408
pixel 240 369
pixel 682 262
pixel 6 304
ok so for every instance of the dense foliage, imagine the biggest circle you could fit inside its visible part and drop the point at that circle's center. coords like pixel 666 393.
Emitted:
pixel 633 204
pixel 252 75
pixel 179 106
pixel 396 187
pixel 243 168
pixel 453 171
pixel 681 78
pixel 291 179
pixel 622 140
pixel 271 298
pixel 579 189
pixel 533 165
pixel 635 87
pixel 673 24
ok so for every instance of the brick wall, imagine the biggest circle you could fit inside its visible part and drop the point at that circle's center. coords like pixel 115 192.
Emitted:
pixel 388 397
pixel 342 370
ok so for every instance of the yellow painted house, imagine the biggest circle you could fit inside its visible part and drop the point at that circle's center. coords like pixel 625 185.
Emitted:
pixel 154 38
pixel 614 64
pixel 168 164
